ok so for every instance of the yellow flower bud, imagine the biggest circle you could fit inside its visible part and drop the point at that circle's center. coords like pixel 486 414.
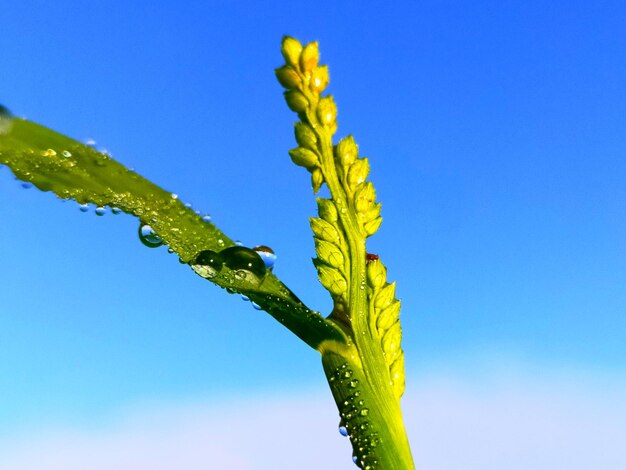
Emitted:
pixel 332 279
pixel 329 253
pixel 324 230
pixel 309 57
pixel 305 136
pixel 364 197
pixel 317 179
pixel 346 151
pixel 304 157
pixel 376 274
pixel 388 316
pixel 372 226
pixel 296 101
pixel 327 210
pixel 371 213
pixel 358 172
pixel 291 49
pixel 288 77
pixel 396 371
pixel 319 79
pixel 391 343
pixel 327 112
pixel 385 296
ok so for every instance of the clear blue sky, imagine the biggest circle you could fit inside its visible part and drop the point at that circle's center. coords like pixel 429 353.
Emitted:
pixel 496 136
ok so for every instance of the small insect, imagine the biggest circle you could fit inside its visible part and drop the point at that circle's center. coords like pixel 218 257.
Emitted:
pixel 369 257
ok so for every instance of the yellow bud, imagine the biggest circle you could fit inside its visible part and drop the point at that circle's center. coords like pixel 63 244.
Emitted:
pixel 396 371
pixel 291 49
pixel 296 101
pixel 364 197
pixel 327 112
pixel 372 226
pixel 376 274
pixel 317 179
pixel 319 79
pixel 391 343
pixel 309 57
pixel 324 230
pixel 332 279
pixel 385 296
pixel 327 210
pixel 329 253
pixel 305 136
pixel 303 157
pixel 346 151
pixel 358 172
pixel 288 77
pixel 388 316
pixel 371 213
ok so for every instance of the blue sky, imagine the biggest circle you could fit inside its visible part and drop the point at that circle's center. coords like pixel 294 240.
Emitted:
pixel 495 132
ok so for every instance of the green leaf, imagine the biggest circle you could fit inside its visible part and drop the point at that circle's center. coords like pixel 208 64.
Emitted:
pixel 72 170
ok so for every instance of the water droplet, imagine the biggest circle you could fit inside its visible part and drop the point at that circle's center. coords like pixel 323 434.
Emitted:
pixel 267 255
pixel 257 306
pixel 206 218
pixel 48 153
pixel 242 258
pixel 354 383
pixel 26 185
pixel 170 250
pixel 355 459
pixel 207 264
pixel 6 120
pixel 115 210
pixel 188 205
pixel 83 207
pixel 364 412
pixel 174 196
pixel 148 237
pixel 245 299
pixel 220 242
pixel 343 431
pixel 100 211
pixel 90 142
pixel 238 243
pixel 66 154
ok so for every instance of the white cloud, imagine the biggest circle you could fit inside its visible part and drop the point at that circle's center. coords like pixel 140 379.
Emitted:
pixel 454 423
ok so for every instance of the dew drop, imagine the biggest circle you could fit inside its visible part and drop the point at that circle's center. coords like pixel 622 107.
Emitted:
pixel 355 459
pixel 206 218
pixel 343 431
pixel 267 255
pixel 242 258
pixel 238 243
pixel 100 211
pixel 208 264
pixel 115 210
pixel 148 237
pixel 6 120
pixel 364 412
pixel 83 207
pixel 66 154
pixel 257 306
pixel 245 299
pixel 174 196
pixel 26 185
pixel 90 142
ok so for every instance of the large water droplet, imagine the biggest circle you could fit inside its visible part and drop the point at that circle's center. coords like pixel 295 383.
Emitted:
pixel 242 258
pixel 115 210
pixel 6 120
pixel 100 211
pixel 148 237
pixel 267 255
pixel 207 264
pixel 206 218
pixel 83 207
pixel 343 431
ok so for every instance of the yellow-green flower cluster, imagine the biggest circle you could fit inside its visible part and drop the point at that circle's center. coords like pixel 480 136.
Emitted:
pixel 304 80
pixel 353 172
pixel 330 246
pixel 385 322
